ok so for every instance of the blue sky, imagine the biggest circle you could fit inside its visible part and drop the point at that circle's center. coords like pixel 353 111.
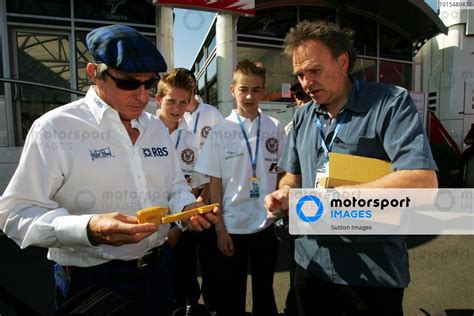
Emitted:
pixel 190 28
pixel 433 4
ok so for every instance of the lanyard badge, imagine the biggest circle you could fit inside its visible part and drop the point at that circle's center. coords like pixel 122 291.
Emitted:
pixel 178 139
pixel 323 171
pixel 196 123
pixel 254 187
pixel 254 180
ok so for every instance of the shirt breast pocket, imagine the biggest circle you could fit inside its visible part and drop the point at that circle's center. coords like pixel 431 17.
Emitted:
pixel 367 146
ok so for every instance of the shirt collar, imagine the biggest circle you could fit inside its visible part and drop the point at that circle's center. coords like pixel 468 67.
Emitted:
pixel 198 98
pixel 182 124
pixel 233 116
pixel 142 121
pixel 99 107
pixel 198 108
pixel 352 102
pixel 96 105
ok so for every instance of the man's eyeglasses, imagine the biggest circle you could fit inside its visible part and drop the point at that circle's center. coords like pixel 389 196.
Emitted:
pixel 131 84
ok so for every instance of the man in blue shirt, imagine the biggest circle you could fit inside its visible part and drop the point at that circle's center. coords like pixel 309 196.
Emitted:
pixel 348 275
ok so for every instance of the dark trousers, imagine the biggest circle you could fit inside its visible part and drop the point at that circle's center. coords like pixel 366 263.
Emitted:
pixel 148 289
pixel 261 251
pixel 190 247
pixel 185 270
pixel 315 297
pixel 207 253
pixel 291 308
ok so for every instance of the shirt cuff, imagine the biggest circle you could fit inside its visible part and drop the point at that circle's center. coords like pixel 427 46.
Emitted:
pixel 178 203
pixel 208 172
pixel 198 180
pixel 72 230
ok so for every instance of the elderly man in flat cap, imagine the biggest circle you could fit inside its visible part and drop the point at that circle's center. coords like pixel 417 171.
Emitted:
pixel 88 166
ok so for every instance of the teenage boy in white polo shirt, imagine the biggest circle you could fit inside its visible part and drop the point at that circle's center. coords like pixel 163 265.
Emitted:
pixel 201 117
pixel 174 93
pixel 240 155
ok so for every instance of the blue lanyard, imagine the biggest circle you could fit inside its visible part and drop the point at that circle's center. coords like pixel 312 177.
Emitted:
pixel 178 139
pixel 196 122
pixel 253 159
pixel 327 149
pixel 339 121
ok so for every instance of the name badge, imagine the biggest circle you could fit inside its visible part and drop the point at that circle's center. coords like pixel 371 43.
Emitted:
pixel 320 173
pixel 254 187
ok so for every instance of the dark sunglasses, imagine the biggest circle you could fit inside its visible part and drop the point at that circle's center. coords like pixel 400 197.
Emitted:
pixel 130 84
pixel 301 95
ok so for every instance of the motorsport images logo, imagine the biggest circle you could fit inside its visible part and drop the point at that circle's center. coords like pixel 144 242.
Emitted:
pixel 313 208
pixel 362 211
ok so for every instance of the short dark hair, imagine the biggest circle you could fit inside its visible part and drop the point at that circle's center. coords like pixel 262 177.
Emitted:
pixel 299 92
pixel 337 40
pixel 250 67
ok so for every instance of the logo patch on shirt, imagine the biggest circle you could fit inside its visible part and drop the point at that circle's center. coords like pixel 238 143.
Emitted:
pixel 273 168
pixel 205 131
pixel 233 154
pixel 98 103
pixel 151 152
pixel 100 153
pixel 187 156
pixel 188 178
pixel 272 145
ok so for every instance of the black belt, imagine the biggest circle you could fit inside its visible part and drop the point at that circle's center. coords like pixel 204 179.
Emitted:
pixel 139 263
pixel 147 258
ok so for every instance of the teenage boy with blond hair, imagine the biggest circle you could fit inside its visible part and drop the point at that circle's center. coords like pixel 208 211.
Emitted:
pixel 174 93
pixel 240 156
pixel 201 118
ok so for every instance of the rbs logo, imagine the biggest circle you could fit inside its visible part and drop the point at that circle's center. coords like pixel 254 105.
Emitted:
pixel 155 152
pixel 309 214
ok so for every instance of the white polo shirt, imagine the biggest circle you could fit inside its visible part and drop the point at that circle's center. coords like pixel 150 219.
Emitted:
pixel 225 155
pixel 187 147
pixel 202 120
pixel 78 160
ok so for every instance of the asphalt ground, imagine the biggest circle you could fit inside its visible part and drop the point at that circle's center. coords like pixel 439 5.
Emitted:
pixel 441 267
pixel 442 277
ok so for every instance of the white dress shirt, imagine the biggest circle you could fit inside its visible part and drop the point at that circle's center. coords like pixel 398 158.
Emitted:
pixel 225 155
pixel 78 160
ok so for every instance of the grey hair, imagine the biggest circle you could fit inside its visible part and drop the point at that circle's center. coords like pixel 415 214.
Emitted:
pixel 100 70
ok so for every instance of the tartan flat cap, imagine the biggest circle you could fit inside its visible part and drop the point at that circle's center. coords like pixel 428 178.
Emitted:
pixel 123 48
